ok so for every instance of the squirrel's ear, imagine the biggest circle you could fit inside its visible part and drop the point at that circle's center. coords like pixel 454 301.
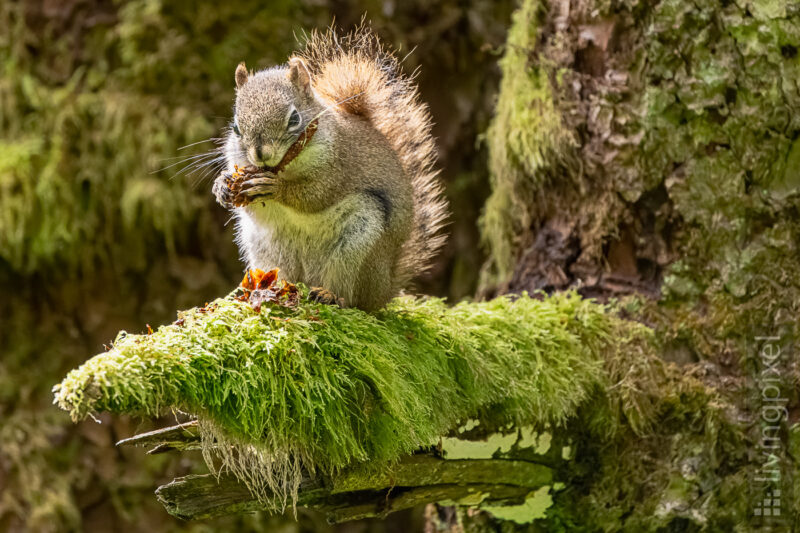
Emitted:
pixel 299 75
pixel 241 75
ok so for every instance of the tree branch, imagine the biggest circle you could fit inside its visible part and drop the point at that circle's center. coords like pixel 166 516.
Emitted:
pixel 353 493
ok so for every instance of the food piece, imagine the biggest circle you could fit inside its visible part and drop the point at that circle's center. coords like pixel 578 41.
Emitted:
pixel 261 287
pixel 235 181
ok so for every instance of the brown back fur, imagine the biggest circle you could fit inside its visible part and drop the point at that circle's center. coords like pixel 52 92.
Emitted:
pixel 355 73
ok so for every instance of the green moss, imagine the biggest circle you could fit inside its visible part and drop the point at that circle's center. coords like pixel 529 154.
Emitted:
pixel 94 99
pixel 323 387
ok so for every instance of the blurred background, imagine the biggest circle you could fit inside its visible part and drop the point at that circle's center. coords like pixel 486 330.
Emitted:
pixel 100 233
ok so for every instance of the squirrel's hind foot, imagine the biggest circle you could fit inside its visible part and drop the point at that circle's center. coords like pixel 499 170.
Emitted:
pixel 324 296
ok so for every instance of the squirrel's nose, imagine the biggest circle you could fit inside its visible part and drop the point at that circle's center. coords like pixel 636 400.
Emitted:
pixel 263 155
pixel 258 155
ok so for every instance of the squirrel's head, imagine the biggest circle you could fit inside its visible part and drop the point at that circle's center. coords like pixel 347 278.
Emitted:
pixel 273 107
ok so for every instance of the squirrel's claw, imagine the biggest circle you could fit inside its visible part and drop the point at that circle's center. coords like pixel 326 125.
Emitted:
pixel 324 296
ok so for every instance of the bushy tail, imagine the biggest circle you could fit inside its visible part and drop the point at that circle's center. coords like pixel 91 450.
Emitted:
pixel 356 70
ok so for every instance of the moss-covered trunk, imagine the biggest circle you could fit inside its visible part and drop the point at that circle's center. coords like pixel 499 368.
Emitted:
pixel 650 152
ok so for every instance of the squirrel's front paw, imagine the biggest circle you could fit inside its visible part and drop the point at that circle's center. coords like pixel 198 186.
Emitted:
pixel 259 184
pixel 324 296
pixel 242 187
pixel 222 190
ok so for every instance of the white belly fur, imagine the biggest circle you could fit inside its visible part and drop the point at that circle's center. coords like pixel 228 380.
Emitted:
pixel 305 246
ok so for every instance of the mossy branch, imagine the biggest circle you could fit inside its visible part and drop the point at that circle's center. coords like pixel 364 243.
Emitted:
pixel 287 394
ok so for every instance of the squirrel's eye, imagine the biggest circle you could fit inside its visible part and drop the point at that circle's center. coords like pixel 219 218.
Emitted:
pixel 294 120
pixel 236 129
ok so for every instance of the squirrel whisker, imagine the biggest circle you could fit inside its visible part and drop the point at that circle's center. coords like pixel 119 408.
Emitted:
pixel 193 159
pixel 212 139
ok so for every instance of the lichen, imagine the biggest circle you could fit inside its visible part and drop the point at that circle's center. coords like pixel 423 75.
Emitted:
pixel 687 118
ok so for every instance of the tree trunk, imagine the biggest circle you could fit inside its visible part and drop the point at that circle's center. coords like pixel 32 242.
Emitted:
pixel 650 151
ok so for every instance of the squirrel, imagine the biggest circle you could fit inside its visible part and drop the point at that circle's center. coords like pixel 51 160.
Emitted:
pixel 334 158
